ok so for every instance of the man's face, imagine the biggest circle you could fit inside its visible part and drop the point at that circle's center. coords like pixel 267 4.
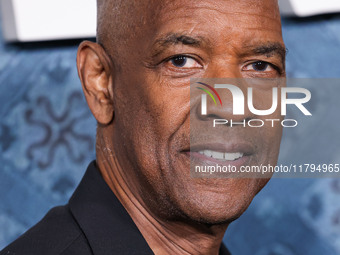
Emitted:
pixel 174 42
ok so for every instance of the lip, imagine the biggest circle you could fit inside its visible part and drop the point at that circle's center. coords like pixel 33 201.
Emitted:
pixel 229 147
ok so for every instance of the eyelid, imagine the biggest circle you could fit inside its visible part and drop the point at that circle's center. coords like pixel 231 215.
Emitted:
pixel 169 69
pixel 194 57
pixel 275 67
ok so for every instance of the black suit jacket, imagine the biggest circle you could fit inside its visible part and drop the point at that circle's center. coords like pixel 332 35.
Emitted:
pixel 93 222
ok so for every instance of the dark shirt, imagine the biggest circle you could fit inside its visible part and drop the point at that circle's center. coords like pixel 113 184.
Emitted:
pixel 93 222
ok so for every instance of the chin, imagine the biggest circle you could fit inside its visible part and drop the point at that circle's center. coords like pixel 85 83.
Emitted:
pixel 220 201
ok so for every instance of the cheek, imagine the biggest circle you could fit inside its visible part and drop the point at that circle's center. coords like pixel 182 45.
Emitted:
pixel 271 133
pixel 149 114
pixel 271 143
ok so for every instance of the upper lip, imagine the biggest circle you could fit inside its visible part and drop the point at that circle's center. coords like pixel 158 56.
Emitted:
pixel 229 147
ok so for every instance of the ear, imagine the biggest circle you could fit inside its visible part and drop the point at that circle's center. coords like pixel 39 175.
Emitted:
pixel 95 73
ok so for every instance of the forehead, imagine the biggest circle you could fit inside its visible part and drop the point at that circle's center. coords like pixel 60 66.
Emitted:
pixel 261 8
pixel 227 23
pixel 245 20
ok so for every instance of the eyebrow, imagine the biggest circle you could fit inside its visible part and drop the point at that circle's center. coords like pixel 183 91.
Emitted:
pixel 269 49
pixel 177 38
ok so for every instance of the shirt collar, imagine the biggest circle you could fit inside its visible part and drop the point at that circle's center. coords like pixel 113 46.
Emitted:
pixel 106 224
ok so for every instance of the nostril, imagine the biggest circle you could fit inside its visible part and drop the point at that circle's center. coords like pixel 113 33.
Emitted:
pixel 212 116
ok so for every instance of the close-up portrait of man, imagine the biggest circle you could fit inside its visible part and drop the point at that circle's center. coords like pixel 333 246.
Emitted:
pixel 138 195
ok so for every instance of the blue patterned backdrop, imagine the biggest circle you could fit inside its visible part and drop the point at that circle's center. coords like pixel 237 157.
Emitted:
pixel 47 138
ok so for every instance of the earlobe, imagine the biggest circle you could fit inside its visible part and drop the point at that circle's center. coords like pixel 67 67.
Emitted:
pixel 95 73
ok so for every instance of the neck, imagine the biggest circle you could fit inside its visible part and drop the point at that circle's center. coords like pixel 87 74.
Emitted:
pixel 162 235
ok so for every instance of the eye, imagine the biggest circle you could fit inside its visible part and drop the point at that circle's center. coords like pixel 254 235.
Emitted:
pixel 184 62
pixel 260 66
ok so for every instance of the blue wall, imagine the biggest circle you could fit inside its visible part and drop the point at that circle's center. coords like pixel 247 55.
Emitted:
pixel 47 139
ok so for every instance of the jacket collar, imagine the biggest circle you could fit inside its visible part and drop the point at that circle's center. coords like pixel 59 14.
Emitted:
pixel 104 221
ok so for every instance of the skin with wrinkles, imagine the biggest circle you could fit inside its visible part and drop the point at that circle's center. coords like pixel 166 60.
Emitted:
pixel 141 101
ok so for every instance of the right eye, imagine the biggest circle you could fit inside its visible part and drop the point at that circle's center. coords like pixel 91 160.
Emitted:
pixel 185 62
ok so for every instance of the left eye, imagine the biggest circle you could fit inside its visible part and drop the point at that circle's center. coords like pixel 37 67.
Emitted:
pixel 184 62
pixel 259 66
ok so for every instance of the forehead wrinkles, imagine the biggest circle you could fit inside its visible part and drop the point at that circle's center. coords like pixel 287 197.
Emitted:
pixel 248 14
pixel 208 19
pixel 253 13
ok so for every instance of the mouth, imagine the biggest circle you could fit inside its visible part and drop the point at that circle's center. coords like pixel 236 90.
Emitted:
pixel 236 153
pixel 222 156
